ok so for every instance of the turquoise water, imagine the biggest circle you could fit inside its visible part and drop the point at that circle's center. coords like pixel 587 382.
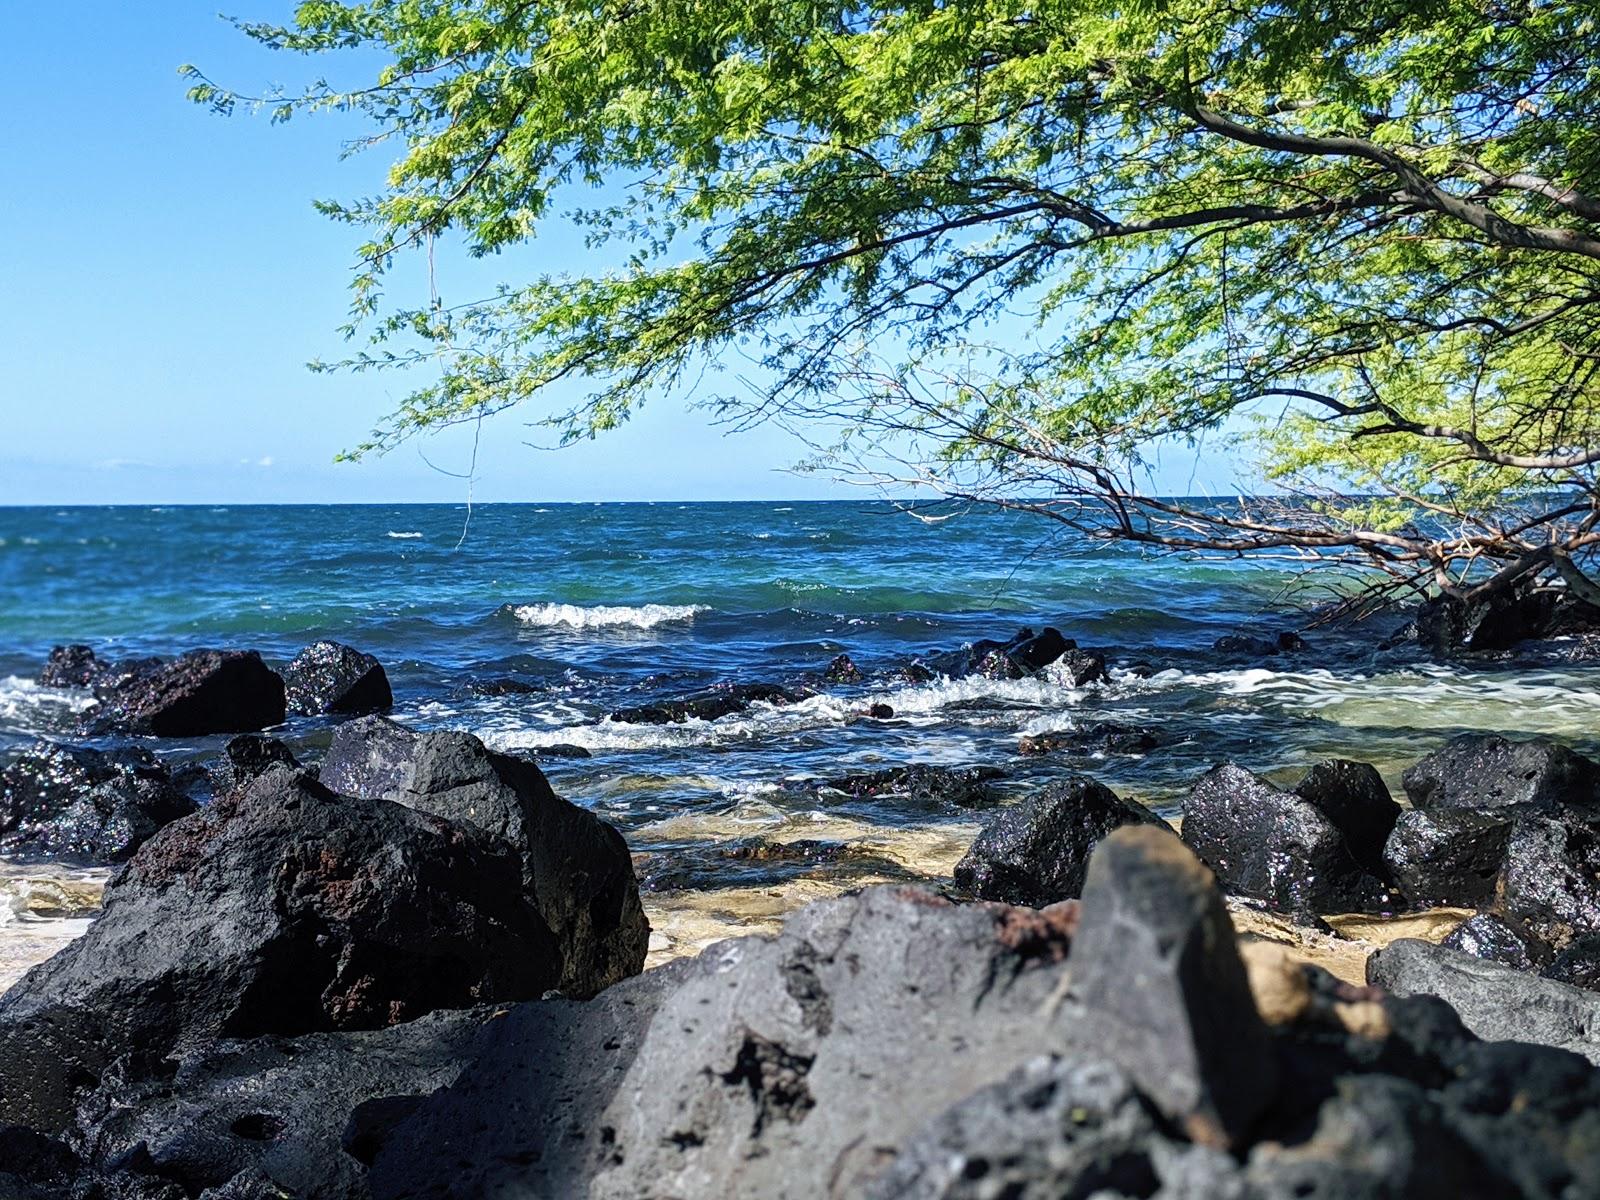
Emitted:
pixel 601 606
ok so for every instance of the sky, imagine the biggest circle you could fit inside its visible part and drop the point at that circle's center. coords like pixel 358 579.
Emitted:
pixel 166 280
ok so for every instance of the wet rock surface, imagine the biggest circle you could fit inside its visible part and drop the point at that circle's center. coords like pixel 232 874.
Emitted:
pixel 1551 878
pixel 1103 737
pixel 766 862
pixel 1256 645
pixel 576 868
pixel 71 666
pixel 1037 852
pixel 709 705
pixel 201 692
pixel 281 909
pixel 1448 856
pixel 1478 771
pixel 247 757
pixel 1490 936
pixel 921 784
pixel 1281 847
pixel 330 677
pixel 85 806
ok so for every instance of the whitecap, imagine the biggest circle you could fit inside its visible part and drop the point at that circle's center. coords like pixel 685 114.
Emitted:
pixel 607 616
pixel 21 698
pixel 408 533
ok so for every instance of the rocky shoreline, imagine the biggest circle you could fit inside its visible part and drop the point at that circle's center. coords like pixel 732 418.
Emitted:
pixel 412 969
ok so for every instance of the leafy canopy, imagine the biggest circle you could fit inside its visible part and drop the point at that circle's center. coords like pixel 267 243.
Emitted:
pixel 1374 224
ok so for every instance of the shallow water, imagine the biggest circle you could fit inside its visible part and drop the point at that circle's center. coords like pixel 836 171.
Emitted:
pixel 597 607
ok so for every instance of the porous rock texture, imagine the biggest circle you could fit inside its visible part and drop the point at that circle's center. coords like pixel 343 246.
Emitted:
pixel 575 867
pixel 330 677
pixel 279 909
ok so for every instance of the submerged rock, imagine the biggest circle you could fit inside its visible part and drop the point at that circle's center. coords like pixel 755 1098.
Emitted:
pixel 842 669
pixel 708 705
pixel 1448 856
pixel 1103 737
pixel 71 666
pixel 1258 646
pixel 278 909
pixel 1280 847
pixel 330 677
pixel 918 783
pixel 576 868
pixel 1037 852
pixel 1480 771
pixel 85 806
pixel 201 692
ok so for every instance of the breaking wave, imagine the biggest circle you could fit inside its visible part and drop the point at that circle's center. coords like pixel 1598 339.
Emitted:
pixel 607 616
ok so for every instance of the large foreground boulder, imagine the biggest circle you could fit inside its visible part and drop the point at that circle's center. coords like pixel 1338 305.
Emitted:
pixel 330 677
pixel 575 867
pixel 278 909
pixel 1479 771
pixel 1296 852
pixel 1037 852
pixel 1495 1001
pixel 85 806
pixel 201 692
pixel 298 1113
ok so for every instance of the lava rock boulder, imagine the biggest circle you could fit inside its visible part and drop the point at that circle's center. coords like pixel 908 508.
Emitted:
pixel 330 677
pixel 1481 771
pixel 201 692
pixel 1279 846
pixel 919 784
pixel 576 868
pixel 1448 856
pixel 284 909
pixel 85 806
pixel 1037 852
pixel 74 666
pixel 248 757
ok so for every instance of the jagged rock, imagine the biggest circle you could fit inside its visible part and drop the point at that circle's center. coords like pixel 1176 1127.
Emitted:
pixel 1026 654
pixel 1551 878
pixel 1275 846
pixel 201 692
pixel 1446 624
pixel 247 757
pixel 783 1067
pixel 1486 771
pixel 1448 856
pixel 35 1167
pixel 1037 852
pixel 921 784
pixel 1164 993
pixel 280 908
pixel 708 705
pixel 1494 1001
pixel 560 750
pixel 575 866
pixel 1083 667
pixel 85 806
pixel 1101 738
pixel 330 677
pixel 1490 936
pixel 842 669
pixel 273 1109
pixel 502 685
pixel 71 666
pixel 1354 797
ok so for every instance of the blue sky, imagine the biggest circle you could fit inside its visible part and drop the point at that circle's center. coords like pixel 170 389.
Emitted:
pixel 166 281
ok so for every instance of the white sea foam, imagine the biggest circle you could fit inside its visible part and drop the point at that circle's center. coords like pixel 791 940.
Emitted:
pixel 607 616
pixel 408 534
pixel 21 698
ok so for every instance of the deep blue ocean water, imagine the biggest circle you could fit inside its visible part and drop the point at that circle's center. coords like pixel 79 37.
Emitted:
pixel 606 605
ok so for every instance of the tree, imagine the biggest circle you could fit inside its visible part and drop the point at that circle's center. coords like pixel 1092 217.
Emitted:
pixel 1361 237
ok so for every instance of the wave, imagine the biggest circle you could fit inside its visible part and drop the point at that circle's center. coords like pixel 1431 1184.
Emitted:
pixel 408 534
pixel 21 698
pixel 606 616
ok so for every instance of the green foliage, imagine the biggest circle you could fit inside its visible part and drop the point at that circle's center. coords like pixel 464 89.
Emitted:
pixel 1372 223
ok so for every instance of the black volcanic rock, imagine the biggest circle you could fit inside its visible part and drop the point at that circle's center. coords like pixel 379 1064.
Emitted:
pixel 330 677
pixel 1104 737
pixel 1276 846
pixel 1490 936
pixel 1551 879
pixel 1354 797
pixel 83 805
pixel 71 666
pixel 247 756
pixel 201 692
pixel 920 784
pixel 1037 852
pixel 576 868
pixel 1486 771
pixel 278 909
pixel 707 705
pixel 1448 856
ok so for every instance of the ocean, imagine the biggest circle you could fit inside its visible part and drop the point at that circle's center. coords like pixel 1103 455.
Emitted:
pixel 594 607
